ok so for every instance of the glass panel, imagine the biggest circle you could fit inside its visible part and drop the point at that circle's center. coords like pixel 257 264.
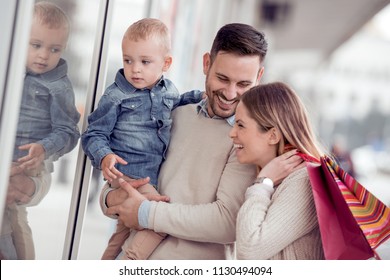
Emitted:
pixel 46 145
pixel 97 227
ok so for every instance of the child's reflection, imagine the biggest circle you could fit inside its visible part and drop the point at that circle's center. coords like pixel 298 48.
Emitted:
pixel 47 127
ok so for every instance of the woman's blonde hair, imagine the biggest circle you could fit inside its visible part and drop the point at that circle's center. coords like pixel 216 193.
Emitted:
pixel 276 105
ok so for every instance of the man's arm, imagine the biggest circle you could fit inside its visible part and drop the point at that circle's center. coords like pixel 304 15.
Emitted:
pixel 208 222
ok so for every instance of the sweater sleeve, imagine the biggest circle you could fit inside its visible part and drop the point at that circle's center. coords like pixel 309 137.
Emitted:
pixel 266 223
pixel 208 222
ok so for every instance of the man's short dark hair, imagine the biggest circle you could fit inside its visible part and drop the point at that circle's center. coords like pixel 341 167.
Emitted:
pixel 240 39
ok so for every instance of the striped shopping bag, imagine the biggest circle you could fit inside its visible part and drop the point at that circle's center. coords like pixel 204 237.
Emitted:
pixel 352 221
pixel 372 216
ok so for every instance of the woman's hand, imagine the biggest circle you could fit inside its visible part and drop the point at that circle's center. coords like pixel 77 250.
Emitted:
pixel 282 166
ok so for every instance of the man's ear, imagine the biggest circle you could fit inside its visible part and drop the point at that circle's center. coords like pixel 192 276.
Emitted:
pixel 274 136
pixel 206 63
pixel 261 72
pixel 167 63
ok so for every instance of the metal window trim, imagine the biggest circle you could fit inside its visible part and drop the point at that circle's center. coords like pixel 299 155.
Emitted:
pixel 83 174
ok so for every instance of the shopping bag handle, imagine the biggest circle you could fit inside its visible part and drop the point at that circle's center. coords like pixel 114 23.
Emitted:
pixel 308 158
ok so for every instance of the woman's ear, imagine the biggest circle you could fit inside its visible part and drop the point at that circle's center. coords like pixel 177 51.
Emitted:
pixel 274 136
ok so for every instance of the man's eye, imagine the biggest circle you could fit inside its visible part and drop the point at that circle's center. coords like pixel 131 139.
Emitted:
pixel 244 85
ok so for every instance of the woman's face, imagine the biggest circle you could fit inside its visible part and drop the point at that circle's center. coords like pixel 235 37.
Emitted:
pixel 253 146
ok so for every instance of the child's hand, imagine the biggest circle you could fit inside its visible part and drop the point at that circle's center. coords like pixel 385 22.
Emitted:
pixel 110 173
pixel 36 155
pixel 15 169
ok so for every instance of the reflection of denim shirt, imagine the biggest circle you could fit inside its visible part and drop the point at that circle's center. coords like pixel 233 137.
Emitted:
pixel 48 114
pixel 135 125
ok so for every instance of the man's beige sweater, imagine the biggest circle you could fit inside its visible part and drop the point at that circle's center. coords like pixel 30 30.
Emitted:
pixel 206 185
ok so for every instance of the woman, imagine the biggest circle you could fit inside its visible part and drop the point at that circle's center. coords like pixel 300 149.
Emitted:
pixel 276 221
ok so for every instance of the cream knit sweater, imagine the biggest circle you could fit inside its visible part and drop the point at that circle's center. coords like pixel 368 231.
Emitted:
pixel 280 225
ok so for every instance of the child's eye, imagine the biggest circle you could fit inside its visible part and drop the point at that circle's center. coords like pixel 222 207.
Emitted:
pixel 55 50
pixel 35 46
pixel 145 61
pixel 127 61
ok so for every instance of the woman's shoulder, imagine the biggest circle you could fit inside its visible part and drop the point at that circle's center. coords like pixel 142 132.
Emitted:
pixel 298 179
pixel 299 174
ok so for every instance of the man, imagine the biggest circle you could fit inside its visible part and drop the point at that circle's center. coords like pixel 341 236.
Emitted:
pixel 201 174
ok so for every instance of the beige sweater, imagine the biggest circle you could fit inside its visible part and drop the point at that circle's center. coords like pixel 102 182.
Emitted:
pixel 206 185
pixel 282 225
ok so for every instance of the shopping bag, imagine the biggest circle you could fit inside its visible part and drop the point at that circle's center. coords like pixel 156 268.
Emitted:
pixel 352 221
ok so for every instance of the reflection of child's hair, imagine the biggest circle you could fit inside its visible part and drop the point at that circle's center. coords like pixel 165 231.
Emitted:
pixel 147 28
pixel 51 15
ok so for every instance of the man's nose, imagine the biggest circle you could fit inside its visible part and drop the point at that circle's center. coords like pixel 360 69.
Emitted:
pixel 231 92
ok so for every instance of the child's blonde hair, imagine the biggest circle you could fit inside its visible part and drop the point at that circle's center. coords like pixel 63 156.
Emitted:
pixel 51 15
pixel 147 28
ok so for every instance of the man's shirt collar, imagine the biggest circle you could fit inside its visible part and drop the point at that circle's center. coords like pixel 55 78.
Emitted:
pixel 202 107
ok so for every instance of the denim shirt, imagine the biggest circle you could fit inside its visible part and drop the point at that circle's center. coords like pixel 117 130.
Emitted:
pixel 134 124
pixel 48 114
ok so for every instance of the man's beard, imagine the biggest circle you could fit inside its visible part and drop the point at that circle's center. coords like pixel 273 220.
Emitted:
pixel 213 106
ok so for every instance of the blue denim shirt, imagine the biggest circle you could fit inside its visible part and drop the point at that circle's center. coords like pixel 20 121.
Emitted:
pixel 48 114
pixel 134 124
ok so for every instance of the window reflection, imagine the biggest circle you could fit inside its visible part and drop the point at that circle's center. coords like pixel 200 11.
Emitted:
pixel 53 98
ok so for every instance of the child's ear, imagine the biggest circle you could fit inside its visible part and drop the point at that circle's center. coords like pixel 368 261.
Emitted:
pixel 274 136
pixel 167 63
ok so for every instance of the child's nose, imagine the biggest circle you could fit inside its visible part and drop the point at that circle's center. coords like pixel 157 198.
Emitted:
pixel 43 53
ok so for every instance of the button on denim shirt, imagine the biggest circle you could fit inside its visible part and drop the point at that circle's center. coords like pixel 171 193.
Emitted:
pixel 134 124
pixel 48 114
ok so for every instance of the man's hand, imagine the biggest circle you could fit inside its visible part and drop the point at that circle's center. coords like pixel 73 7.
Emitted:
pixel 110 173
pixel 128 209
pixel 119 195
pixel 282 166
pixel 20 189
